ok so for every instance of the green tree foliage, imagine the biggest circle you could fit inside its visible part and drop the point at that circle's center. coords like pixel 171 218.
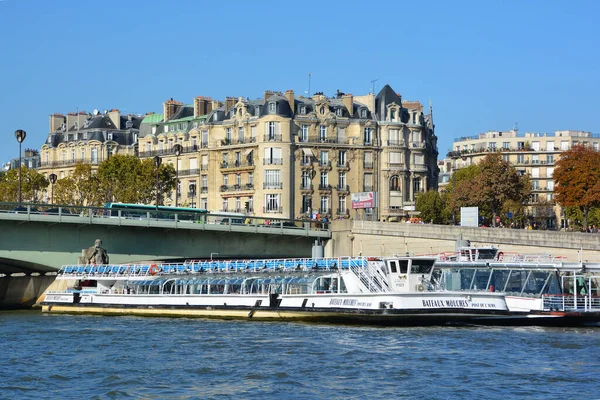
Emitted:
pixel 33 185
pixel 456 195
pixel 496 184
pixel 127 179
pixel 82 188
pixel 431 206
pixel 577 177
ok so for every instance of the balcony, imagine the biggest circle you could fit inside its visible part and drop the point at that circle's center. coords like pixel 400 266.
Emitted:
pixel 324 140
pixel 325 165
pixel 343 188
pixel 273 138
pixel 65 163
pixel 238 187
pixel 342 212
pixel 325 187
pixel 273 185
pixel 343 166
pixel 368 164
pixel 306 188
pixel 237 164
pixel 204 189
pixel 396 143
pixel 187 172
pixel 272 210
pixel 273 161
pixel 236 141
pixel 167 152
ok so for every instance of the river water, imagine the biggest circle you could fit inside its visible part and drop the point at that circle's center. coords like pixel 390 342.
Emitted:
pixel 81 357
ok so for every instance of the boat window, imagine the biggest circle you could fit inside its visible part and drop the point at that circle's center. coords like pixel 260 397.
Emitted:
pixel 499 278
pixel 516 281
pixel 421 266
pixel 482 276
pixel 403 266
pixel 394 266
pixel 486 254
pixel 536 282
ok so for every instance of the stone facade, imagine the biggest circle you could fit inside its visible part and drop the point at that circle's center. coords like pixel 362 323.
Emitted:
pixel 530 153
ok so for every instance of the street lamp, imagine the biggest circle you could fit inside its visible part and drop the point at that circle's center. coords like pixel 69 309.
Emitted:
pixel 157 161
pixel 20 135
pixel 52 178
pixel 177 149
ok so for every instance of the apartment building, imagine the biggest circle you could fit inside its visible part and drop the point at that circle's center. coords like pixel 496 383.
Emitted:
pixel 530 153
pixel 87 138
pixel 293 157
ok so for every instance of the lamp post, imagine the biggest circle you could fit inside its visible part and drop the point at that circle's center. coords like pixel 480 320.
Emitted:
pixel 52 178
pixel 20 135
pixel 177 149
pixel 157 162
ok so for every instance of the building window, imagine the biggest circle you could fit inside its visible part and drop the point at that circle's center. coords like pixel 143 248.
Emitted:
pixel 154 130
pixel 506 157
pixel 204 181
pixel 506 145
pixel 363 113
pixel 271 130
pixel 392 114
pixel 250 178
pixel 257 111
pixel 304 133
pixel 535 185
pixel 342 180
pixel 241 135
pixel 305 180
pixel 272 179
pixel 250 203
pixel 342 205
pixel 324 158
pixel 225 204
pixel 226 179
pixel 272 107
pixel 272 202
pixel 322 133
pixel 549 159
pixel 204 203
pixel 306 204
pixel 73 155
pixel 273 156
pixel 238 204
pixel 302 110
pixel 368 136
pixel 324 205
pixel 228 135
pixel 238 179
pixel 324 180
pixel 94 155
pixel 520 159
pixel 338 112
pixel 342 158
pixel 416 185
pixel 166 128
pixel 322 109
pixel 395 183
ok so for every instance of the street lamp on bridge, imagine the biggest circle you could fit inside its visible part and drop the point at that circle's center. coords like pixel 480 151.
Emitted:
pixel 20 135
pixel 52 178
pixel 177 149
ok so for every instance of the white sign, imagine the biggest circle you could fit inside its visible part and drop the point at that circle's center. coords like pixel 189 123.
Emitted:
pixel 469 216
pixel 363 200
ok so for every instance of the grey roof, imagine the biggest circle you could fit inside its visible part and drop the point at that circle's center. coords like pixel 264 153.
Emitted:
pixel 385 97
pixel 183 112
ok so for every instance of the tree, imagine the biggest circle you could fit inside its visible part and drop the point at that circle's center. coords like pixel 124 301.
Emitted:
pixel 577 178
pixel 32 185
pixel 127 179
pixel 82 188
pixel 457 191
pixel 431 206
pixel 496 184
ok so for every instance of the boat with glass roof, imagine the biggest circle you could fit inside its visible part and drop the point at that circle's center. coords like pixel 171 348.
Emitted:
pixel 399 290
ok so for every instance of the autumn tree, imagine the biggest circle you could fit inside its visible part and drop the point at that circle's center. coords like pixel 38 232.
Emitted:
pixel 577 178
pixel 498 183
pixel 457 191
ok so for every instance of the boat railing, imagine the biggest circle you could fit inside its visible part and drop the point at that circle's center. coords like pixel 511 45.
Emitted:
pixel 121 271
pixel 503 257
pixel 371 276
pixel 571 302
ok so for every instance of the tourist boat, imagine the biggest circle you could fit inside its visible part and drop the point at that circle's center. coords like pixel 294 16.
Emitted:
pixel 379 290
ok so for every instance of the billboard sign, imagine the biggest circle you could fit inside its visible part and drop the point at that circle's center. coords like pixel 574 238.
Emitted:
pixel 469 216
pixel 363 200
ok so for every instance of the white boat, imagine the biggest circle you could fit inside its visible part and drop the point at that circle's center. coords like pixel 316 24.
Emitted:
pixel 390 290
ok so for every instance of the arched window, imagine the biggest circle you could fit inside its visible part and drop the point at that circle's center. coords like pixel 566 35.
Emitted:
pixel 394 183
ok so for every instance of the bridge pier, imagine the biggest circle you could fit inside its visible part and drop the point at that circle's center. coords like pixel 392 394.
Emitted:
pixel 17 292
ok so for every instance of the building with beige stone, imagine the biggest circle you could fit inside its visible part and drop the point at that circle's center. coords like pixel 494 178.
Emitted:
pixel 530 153
pixel 284 156
pixel 87 138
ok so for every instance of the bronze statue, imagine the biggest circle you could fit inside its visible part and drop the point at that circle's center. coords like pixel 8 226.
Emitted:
pixel 96 254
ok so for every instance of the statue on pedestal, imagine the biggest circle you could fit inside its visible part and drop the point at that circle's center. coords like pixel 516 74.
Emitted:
pixel 96 255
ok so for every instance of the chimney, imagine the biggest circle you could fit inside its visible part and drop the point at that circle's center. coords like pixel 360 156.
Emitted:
pixel 214 105
pixel 170 107
pixel 56 120
pixel 268 93
pixel 229 103
pixel 348 101
pixel 289 95
pixel 201 105
pixel 115 117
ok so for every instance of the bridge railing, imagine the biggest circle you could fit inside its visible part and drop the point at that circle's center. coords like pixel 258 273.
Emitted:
pixel 195 216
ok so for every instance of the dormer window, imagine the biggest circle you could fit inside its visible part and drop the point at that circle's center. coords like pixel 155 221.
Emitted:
pixel 232 113
pixel 85 135
pixel 166 128
pixel 272 107
pixel 76 125
pixel 215 117
pixel 338 112
pixel 257 111
pixel 322 109
pixel 110 136
pixel 363 113
pixel 302 110
pixel 392 114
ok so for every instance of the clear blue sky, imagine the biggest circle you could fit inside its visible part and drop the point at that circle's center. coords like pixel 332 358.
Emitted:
pixel 484 64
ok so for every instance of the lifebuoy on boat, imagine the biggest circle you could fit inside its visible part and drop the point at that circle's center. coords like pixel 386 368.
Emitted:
pixel 500 256
pixel 153 269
